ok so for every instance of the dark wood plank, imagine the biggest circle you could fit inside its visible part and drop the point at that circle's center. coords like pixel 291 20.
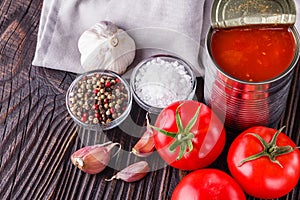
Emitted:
pixel 37 136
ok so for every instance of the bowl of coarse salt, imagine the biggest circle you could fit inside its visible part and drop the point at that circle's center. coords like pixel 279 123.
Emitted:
pixel 160 80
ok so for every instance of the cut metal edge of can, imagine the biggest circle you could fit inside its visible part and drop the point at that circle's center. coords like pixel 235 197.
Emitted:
pixel 236 13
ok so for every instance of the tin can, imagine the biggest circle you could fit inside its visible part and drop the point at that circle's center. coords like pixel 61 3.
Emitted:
pixel 243 104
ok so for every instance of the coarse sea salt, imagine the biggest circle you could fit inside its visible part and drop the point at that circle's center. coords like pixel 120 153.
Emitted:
pixel 160 82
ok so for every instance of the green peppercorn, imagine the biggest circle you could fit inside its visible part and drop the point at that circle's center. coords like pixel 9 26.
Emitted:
pixel 95 121
pixel 117 106
pixel 89 81
pixel 119 101
pixel 89 86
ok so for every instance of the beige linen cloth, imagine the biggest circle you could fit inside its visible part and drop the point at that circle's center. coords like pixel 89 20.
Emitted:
pixel 177 27
pixel 172 26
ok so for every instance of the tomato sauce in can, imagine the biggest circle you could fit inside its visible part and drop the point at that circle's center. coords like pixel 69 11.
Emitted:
pixel 253 54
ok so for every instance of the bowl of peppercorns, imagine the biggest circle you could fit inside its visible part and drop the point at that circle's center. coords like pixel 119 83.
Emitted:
pixel 99 99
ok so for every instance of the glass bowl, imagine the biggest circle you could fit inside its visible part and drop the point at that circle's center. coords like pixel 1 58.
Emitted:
pixel 99 99
pixel 161 80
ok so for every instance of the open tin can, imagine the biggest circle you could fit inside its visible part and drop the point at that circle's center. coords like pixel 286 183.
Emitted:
pixel 243 104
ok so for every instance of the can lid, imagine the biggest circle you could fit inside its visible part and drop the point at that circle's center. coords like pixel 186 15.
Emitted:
pixel 233 13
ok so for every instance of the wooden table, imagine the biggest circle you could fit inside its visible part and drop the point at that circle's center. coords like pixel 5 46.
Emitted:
pixel 37 136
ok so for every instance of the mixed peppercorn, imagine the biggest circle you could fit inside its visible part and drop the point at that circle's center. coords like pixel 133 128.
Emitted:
pixel 98 99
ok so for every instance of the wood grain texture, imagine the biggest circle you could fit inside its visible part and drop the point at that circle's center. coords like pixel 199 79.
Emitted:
pixel 37 136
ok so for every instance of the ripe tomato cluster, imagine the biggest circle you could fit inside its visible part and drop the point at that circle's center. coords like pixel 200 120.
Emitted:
pixel 263 162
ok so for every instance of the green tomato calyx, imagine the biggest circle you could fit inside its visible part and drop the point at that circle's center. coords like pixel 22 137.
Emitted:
pixel 182 138
pixel 271 149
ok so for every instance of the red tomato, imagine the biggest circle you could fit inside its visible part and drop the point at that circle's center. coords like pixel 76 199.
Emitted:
pixel 201 144
pixel 208 184
pixel 260 177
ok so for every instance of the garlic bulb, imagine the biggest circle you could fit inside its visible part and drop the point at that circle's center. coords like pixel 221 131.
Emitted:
pixel 105 46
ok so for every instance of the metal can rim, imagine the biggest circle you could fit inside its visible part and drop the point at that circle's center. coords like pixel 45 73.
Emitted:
pixel 235 13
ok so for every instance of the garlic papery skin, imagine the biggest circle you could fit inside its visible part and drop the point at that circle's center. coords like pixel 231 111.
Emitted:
pixel 105 46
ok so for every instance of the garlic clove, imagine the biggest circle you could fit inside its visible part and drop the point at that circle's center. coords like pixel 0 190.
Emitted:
pixel 93 159
pixel 133 172
pixel 105 46
pixel 145 146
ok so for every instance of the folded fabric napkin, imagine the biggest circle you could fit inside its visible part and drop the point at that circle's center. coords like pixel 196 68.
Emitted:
pixel 177 27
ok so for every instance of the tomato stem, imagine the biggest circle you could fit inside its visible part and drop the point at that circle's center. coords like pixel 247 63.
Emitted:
pixel 271 149
pixel 170 134
pixel 178 120
pixel 182 138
